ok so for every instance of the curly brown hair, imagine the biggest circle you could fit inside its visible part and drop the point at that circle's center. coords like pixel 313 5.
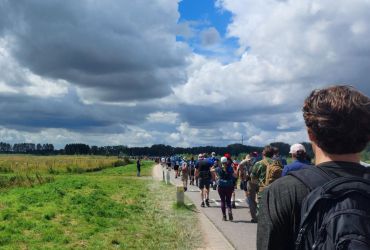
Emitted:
pixel 339 119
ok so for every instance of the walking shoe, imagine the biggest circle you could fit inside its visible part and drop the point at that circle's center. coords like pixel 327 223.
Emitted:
pixel 207 203
pixel 224 217
pixel 230 216
pixel 253 220
pixel 202 204
pixel 234 206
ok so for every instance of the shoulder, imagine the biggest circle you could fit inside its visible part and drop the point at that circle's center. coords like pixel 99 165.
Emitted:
pixel 287 189
pixel 258 164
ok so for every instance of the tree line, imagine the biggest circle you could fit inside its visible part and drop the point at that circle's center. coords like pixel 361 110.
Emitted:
pixel 154 150
pixel 27 148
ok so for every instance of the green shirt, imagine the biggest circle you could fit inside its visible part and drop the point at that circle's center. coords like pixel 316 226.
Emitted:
pixel 259 170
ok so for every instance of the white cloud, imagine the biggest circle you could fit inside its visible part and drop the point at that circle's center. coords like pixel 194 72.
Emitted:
pixel 16 79
pixel 287 48
pixel 163 117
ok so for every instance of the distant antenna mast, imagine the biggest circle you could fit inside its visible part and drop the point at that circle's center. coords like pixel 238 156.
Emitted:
pixel 242 140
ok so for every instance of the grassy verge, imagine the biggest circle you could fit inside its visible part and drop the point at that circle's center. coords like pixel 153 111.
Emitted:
pixel 105 210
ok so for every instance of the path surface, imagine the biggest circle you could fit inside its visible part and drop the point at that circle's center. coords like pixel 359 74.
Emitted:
pixel 239 232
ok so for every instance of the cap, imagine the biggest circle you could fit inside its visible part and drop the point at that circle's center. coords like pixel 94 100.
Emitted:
pixel 213 153
pixel 227 155
pixel 296 147
pixel 223 159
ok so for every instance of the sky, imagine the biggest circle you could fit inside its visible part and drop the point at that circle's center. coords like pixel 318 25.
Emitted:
pixel 182 73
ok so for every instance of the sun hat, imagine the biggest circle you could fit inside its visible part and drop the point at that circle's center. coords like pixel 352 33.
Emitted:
pixel 296 147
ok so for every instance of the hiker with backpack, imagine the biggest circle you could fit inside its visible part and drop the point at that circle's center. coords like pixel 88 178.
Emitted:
pixel 265 171
pixel 191 167
pixel 203 173
pixel 225 183
pixel 325 206
pixel 250 189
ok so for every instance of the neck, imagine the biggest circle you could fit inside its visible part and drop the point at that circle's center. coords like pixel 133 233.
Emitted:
pixel 322 156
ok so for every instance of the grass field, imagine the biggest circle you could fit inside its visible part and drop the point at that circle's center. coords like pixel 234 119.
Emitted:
pixel 109 209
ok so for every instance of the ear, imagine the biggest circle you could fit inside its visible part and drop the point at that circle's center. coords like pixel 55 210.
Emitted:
pixel 311 135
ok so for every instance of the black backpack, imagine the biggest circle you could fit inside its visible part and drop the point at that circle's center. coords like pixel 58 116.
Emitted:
pixel 336 213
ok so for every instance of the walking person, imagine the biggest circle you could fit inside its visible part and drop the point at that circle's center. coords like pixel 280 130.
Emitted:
pixel 243 174
pixel 299 157
pixel 203 172
pixel 225 183
pixel 325 206
pixel 138 167
pixel 250 189
pixel 191 170
pixel 176 166
pixel 235 166
pixel 265 171
pixel 185 174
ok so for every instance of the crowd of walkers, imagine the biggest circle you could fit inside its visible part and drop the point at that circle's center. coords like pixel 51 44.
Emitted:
pixel 252 174
pixel 300 205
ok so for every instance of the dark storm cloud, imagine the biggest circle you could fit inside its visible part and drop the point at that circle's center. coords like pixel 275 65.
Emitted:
pixel 34 114
pixel 117 50
pixel 265 117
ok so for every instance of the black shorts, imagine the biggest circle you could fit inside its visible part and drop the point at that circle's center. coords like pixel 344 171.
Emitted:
pixel 176 167
pixel 204 183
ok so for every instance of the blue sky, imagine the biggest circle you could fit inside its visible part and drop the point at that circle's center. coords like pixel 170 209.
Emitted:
pixel 206 11
pixel 203 15
pixel 98 72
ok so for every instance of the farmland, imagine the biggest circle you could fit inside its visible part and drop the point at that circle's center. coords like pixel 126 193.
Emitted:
pixel 55 164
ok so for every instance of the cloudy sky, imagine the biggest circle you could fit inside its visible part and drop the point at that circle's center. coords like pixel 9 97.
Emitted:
pixel 183 73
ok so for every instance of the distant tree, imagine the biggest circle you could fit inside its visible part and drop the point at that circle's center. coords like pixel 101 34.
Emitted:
pixel 284 148
pixel 77 148
pixel 5 147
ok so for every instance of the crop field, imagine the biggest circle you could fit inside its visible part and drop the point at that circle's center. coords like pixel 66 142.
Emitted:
pixel 107 209
pixel 56 164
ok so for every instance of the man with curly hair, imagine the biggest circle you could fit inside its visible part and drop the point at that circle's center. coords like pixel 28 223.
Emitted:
pixel 338 125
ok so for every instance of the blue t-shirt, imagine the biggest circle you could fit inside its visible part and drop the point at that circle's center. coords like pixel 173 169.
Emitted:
pixel 294 166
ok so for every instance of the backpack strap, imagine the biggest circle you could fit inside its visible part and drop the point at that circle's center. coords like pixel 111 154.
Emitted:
pixel 265 161
pixel 312 177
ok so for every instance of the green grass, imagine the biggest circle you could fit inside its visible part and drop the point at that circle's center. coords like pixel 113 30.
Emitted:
pixel 110 209
pixel 130 170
